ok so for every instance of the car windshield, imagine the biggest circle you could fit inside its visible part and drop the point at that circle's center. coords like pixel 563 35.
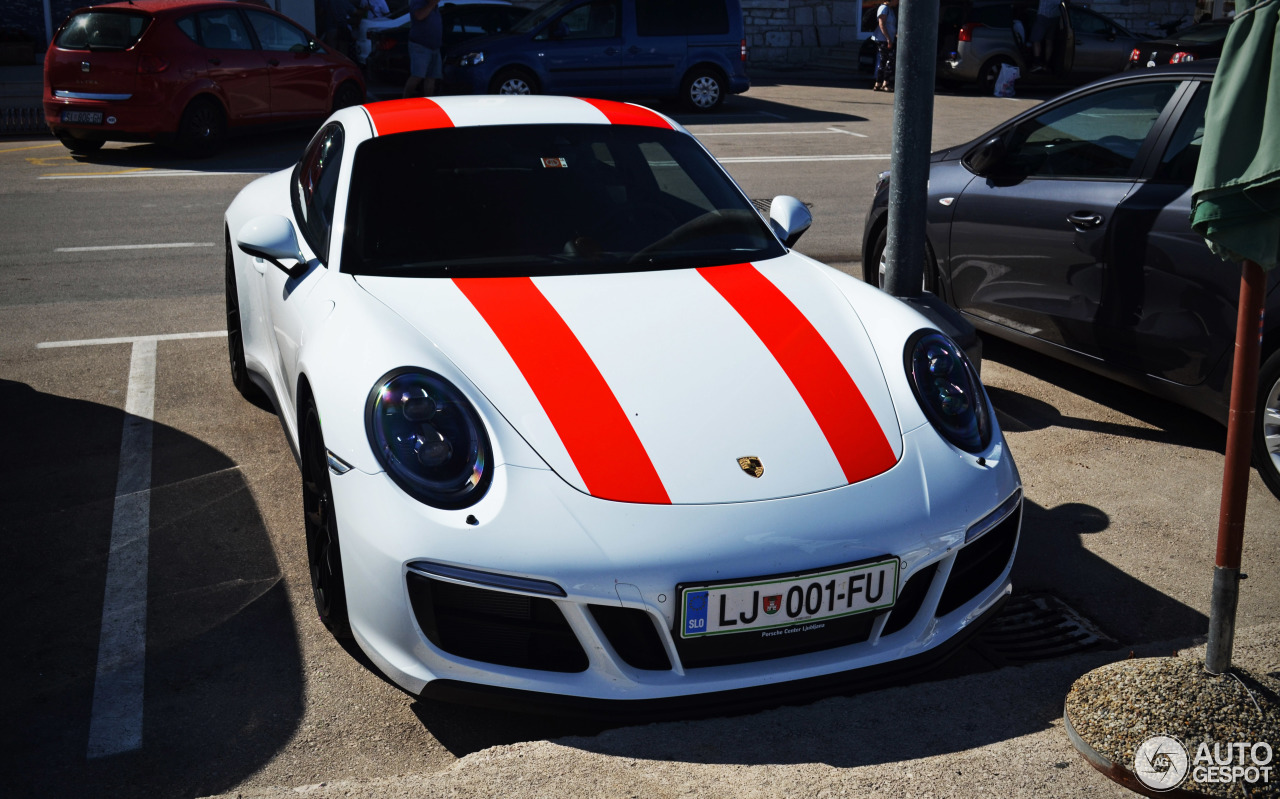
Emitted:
pixel 102 30
pixel 540 15
pixel 544 199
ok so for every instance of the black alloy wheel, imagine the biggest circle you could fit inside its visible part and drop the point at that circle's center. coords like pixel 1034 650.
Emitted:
pixel 324 554
pixel 874 267
pixel 203 128
pixel 347 95
pixel 235 335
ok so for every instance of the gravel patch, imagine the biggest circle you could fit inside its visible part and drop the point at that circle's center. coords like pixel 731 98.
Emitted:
pixel 1117 707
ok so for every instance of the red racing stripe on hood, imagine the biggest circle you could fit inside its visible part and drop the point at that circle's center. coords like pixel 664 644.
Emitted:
pixel 627 114
pixel 582 408
pixel 850 427
pixel 415 113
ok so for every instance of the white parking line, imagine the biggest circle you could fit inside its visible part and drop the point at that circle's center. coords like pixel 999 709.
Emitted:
pixel 115 725
pixel 779 133
pixel 177 244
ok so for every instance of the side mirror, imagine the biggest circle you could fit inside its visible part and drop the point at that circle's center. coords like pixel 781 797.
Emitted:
pixel 789 219
pixel 273 238
pixel 985 159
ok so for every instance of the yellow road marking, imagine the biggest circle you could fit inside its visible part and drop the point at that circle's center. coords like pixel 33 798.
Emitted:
pixel 32 147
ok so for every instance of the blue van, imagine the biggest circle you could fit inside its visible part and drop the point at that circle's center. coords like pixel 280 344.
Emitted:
pixel 693 50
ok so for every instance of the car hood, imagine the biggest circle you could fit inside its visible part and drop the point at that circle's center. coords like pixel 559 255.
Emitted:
pixel 724 384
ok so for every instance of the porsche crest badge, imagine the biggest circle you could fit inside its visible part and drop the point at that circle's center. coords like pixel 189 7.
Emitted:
pixel 751 465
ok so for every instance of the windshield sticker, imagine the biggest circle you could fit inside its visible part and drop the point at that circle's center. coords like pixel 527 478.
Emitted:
pixel 554 163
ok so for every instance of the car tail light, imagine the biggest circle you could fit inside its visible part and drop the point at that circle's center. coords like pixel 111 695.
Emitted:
pixel 150 64
pixel 744 49
pixel 966 30
pixel 1181 56
pixel 1134 56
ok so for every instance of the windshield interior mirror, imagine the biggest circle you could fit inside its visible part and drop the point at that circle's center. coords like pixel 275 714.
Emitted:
pixel 273 239
pixel 789 218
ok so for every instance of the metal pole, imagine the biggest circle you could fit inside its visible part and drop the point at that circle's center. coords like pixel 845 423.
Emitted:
pixel 1235 477
pixel 916 67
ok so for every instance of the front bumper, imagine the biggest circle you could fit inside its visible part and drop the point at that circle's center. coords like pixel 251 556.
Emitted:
pixel 611 632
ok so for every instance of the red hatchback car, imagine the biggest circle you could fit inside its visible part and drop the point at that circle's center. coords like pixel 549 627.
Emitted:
pixel 186 72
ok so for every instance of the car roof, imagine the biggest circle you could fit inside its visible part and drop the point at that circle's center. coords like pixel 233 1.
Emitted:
pixel 157 6
pixel 401 116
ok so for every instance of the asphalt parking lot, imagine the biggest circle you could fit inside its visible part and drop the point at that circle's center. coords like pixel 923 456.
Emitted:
pixel 110 296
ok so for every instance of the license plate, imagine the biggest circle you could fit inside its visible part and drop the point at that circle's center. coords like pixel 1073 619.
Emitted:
pixel 788 601
pixel 83 117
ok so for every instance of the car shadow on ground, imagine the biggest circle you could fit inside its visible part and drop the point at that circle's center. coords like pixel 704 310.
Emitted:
pixel 223 673
pixel 260 152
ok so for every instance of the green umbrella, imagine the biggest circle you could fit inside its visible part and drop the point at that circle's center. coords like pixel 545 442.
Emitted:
pixel 1236 207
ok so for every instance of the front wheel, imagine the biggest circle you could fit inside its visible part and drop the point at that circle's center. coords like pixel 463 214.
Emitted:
pixel 513 81
pixel 1266 425
pixel 324 555
pixel 873 269
pixel 703 90
pixel 347 95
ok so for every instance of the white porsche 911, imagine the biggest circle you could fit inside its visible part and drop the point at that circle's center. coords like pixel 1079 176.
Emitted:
pixel 574 423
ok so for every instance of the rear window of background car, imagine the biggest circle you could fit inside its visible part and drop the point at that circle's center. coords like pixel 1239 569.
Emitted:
pixel 103 30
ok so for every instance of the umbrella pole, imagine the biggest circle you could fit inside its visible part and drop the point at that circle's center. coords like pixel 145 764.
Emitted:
pixel 1235 477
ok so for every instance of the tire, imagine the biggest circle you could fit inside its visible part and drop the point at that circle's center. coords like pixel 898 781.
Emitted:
pixel 203 129
pixel 702 90
pixel 324 553
pixel 79 146
pixel 989 73
pixel 347 95
pixel 514 81
pixel 1266 424
pixel 235 337
pixel 872 268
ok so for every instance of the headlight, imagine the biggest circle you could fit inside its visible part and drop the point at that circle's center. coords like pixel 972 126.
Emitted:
pixel 429 438
pixel 948 389
pixel 472 60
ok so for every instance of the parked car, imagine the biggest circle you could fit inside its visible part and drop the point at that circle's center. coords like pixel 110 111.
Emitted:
pixel 977 37
pixel 691 50
pixel 1066 230
pixel 369 27
pixel 1196 42
pixel 389 47
pixel 576 422
pixel 187 72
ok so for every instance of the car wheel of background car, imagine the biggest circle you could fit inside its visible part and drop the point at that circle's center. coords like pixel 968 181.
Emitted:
pixel 347 95
pixel 703 89
pixel 873 268
pixel 79 146
pixel 514 81
pixel 235 338
pixel 1266 428
pixel 323 552
pixel 203 127
pixel 989 73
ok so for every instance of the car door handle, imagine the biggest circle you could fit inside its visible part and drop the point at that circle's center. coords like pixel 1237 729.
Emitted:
pixel 634 50
pixel 215 61
pixel 275 62
pixel 611 51
pixel 1085 219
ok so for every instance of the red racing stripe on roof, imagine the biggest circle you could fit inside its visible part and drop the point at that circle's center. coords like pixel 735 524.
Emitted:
pixel 414 113
pixel 627 114
pixel 850 427
pixel 582 408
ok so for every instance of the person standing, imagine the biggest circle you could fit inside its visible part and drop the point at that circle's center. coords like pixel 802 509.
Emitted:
pixel 885 36
pixel 426 32
pixel 1041 41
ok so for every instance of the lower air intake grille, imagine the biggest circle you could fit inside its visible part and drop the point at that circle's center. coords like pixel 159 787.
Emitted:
pixel 495 626
pixel 909 599
pixel 980 564
pixel 632 635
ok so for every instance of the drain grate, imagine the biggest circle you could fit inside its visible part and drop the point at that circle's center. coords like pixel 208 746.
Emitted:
pixel 1038 626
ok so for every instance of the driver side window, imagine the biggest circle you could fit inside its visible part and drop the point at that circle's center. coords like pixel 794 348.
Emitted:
pixel 1096 136
pixel 315 188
